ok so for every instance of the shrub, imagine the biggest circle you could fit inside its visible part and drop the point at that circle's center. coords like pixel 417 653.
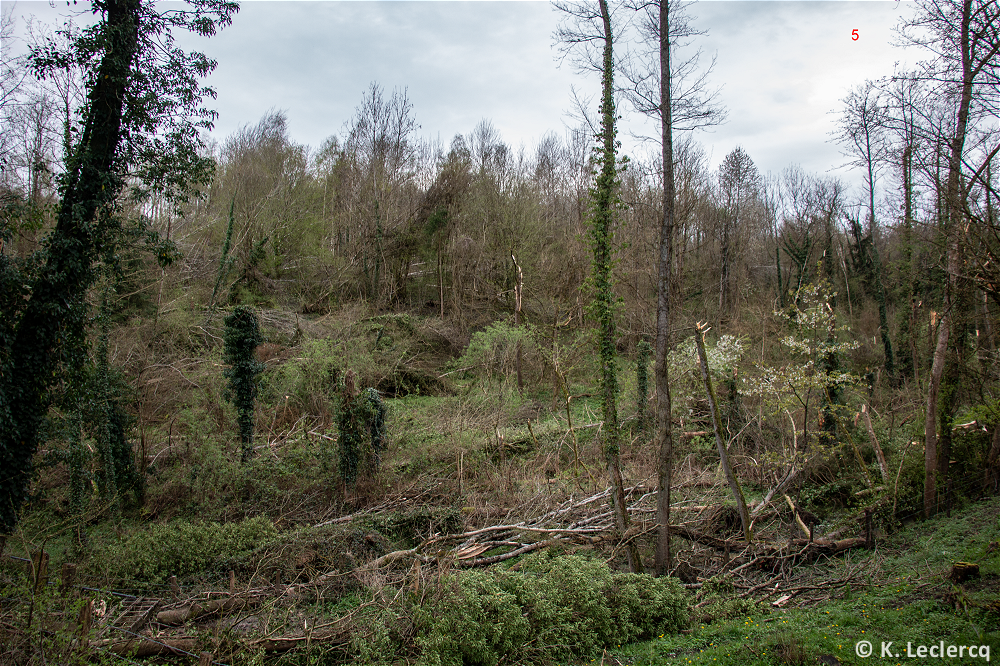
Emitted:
pixel 721 603
pixel 493 351
pixel 551 609
pixel 182 548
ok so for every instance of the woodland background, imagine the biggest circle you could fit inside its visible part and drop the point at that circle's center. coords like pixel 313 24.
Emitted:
pixel 851 329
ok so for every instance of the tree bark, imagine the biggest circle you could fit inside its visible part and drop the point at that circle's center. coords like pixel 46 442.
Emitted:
pixel 664 434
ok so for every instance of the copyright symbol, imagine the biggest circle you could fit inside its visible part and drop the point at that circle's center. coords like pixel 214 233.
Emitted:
pixel 863 649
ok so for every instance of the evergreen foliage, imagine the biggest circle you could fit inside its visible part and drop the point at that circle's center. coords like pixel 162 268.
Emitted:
pixel 552 609
pixel 242 336
pixel 360 419
pixel 141 118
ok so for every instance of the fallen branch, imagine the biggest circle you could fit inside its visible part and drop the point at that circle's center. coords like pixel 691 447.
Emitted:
pixel 486 561
pixel 705 539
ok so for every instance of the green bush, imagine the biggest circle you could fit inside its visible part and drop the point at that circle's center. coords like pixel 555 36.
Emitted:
pixel 722 603
pixel 553 608
pixel 492 352
pixel 182 548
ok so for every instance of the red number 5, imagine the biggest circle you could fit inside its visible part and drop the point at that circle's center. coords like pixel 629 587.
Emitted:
pixel 854 34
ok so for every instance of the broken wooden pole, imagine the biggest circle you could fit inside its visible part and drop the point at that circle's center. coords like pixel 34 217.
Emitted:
pixel 39 570
pixel 67 579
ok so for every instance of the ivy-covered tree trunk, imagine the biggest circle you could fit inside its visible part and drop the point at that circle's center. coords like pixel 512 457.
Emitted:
pixel 602 216
pixel 242 336
pixel 53 320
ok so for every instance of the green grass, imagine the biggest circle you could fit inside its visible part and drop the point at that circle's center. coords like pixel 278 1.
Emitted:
pixel 902 596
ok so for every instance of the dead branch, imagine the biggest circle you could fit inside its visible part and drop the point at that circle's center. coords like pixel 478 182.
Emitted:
pixel 883 466
pixel 486 561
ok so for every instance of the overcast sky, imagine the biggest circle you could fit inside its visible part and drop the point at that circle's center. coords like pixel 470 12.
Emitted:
pixel 781 66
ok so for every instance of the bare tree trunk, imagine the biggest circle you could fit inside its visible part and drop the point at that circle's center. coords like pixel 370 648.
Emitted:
pixel 664 435
pixel 930 421
pixel 727 469
pixel 518 280
pixel 953 215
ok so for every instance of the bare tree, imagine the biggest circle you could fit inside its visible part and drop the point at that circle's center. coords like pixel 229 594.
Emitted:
pixel 963 39
pixel 861 130
pixel 739 191
pixel 676 92
pixel 381 142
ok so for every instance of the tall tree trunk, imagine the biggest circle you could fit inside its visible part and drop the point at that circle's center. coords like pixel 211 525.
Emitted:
pixel 957 287
pixel 930 417
pixel 601 232
pixel 664 433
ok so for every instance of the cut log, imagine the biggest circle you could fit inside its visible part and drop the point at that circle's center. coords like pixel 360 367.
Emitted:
pixel 177 616
pixel 147 647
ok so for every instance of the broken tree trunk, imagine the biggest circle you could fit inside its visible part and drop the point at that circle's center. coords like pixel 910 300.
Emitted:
pixel 734 484
pixel 883 466
pixel 178 616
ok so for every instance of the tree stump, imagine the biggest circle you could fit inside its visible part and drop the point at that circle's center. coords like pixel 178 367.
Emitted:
pixel 963 571
pixel 67 579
